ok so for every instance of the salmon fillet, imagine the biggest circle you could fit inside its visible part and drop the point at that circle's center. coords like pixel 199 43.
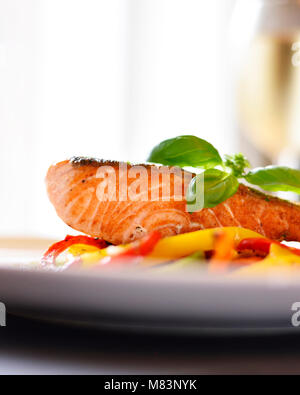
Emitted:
pixel 74 187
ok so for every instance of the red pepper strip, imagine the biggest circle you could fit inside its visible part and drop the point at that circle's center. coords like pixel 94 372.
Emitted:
pixel 263 245
pixel 139 249
pixel 56 249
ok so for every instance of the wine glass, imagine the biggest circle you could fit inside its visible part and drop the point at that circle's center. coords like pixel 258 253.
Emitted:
pixel 265 43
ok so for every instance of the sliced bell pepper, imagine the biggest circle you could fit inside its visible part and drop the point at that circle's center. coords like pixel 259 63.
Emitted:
pixel 223 252
pixel 280 260
pixel 56 249
pixel 186 244
pixel 82 249
pixel 144 247
pixel 141 248
pixel 263 246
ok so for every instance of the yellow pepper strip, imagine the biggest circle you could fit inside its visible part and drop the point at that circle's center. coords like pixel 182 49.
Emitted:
pixel 186 244
pixel 79 249
pixel 279 258
pixel 91 255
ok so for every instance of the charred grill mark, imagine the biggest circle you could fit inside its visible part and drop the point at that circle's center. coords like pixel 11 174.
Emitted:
pixel 81 161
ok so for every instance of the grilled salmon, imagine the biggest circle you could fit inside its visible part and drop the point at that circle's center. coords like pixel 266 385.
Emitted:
pixel 106 207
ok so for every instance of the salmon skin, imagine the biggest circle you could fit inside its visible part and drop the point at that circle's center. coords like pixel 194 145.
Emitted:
pixel 73 189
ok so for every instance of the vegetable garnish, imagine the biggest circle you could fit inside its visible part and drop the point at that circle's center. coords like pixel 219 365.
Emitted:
pixel 221 177
pixel 139 249
pixel 264 246
pixel 193 261
pixel 280 260
pixel 223 252
pixel 218 251
pixel 56 249
pixel 179 246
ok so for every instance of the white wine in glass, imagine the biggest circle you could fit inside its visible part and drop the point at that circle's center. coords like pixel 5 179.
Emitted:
pixel 268 78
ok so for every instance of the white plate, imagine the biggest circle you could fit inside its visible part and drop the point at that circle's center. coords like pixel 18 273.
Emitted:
pixel 144 299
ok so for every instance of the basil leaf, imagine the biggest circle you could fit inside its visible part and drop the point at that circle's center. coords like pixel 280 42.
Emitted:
pixel 186 151
pixel 218 186
pixel 275 178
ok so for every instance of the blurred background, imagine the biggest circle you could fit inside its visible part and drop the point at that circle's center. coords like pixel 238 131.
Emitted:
pixel 112 78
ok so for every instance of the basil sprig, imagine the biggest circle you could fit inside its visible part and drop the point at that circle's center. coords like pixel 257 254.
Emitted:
pixel 220 177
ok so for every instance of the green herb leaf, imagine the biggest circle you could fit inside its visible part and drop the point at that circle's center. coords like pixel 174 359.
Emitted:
pixel 186 151
pixel 237 163
pixel 275 178
pixel 218 187
pixel 193 261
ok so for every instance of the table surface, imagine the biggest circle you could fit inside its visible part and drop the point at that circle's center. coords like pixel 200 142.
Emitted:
pixel 31 347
